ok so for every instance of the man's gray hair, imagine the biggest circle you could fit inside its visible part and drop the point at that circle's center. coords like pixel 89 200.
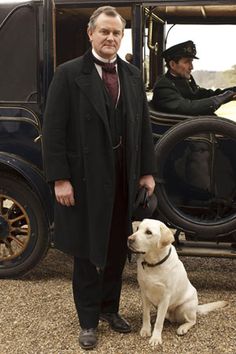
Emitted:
pixel 107 10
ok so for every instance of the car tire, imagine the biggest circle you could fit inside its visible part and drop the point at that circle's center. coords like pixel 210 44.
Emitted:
pixel 170 212
pixel 24 237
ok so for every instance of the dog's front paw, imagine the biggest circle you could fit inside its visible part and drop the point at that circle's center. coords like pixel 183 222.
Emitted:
pixel 155 340
pixel 145 332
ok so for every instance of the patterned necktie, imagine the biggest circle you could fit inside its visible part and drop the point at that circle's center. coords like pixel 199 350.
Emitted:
pixel 110 78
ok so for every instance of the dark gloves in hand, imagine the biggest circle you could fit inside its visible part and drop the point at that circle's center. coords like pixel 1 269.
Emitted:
pixel 233 88
pixel 144 205
pixel 223 98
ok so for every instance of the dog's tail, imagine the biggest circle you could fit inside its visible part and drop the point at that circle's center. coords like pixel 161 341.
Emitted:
pixel 211 306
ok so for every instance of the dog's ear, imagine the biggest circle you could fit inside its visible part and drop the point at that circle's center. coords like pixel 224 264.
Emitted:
pixel 166 236
pixel 135 225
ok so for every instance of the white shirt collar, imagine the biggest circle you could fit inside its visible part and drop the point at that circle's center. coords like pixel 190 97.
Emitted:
pixel 102 59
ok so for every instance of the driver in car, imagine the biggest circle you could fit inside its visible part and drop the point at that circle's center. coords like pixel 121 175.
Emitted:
pixel 177 92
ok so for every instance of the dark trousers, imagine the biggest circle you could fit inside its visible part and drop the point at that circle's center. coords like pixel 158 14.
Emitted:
pixel 96 292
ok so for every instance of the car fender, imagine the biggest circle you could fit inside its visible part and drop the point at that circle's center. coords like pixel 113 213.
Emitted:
pixel 34 177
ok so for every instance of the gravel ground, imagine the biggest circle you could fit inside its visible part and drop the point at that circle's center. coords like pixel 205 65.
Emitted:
pixel 37 314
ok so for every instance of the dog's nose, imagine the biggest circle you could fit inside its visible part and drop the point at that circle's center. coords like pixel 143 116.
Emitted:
pixel 131 240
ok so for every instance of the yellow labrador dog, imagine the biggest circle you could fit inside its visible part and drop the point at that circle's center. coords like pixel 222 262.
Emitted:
pixel 163 281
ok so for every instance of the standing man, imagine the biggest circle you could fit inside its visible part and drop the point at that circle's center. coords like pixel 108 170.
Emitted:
pixel 177 92
pixel 98 151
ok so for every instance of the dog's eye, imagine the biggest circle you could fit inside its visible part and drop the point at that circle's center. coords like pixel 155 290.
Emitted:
pixel 148 232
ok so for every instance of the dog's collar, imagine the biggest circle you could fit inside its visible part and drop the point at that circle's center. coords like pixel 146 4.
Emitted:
pixel 144 263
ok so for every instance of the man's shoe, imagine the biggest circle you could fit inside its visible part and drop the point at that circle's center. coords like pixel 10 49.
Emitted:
pixel 116 322
pixel 88 338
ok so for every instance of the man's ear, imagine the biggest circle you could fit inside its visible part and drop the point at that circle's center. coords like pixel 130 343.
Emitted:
pixel 167 236
pixel 89 32
pixel 172 64
pixel 135 225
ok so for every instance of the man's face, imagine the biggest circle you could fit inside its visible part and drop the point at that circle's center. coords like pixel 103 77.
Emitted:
pixel 106 36
pixel 183 68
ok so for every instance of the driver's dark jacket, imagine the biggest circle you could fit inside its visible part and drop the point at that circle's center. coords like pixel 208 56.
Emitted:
pixel 181 96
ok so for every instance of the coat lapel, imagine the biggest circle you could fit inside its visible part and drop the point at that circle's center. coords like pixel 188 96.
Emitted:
pixel 131 96
pixel 89 82
pixel 130 84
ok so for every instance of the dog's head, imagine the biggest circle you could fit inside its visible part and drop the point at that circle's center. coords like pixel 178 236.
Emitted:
pixel 149 235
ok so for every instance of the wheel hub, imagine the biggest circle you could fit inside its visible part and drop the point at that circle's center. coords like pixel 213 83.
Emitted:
pixel 4 229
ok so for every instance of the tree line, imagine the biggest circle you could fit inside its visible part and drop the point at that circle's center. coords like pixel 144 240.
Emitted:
pixel 215 79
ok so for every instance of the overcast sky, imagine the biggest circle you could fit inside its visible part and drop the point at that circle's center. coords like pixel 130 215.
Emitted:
pixel 215 44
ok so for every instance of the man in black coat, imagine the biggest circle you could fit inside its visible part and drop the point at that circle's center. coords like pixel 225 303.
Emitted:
pixel 98 150
pixel 177 92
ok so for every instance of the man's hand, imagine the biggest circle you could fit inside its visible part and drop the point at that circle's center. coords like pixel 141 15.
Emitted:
pixel 224 97
pixel 64 192
pixel 148 182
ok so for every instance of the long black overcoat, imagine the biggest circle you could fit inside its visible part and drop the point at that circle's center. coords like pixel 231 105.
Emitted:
pixel 77 146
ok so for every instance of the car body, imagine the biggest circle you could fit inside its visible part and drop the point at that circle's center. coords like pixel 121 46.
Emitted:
pixel 35 37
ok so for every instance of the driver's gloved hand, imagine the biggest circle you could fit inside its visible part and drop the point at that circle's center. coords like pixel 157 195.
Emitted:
pixel 233 88
pixel 225 97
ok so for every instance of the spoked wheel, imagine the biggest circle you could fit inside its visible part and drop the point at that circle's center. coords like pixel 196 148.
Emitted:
pixel 196 166
pixel 23 229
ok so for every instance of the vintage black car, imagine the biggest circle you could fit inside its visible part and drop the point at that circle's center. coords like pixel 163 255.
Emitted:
pixel 35 37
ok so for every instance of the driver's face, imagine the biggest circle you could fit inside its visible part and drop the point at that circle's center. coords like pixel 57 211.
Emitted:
pixel 183 68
